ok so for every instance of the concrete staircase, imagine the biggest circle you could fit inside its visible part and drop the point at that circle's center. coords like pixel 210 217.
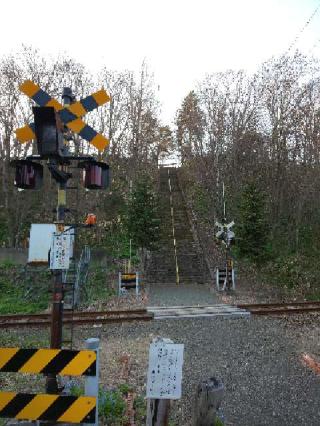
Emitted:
pixel 177 246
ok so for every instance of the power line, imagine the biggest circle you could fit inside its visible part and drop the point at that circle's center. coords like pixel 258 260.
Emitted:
pixel 302 29
pixel 313 47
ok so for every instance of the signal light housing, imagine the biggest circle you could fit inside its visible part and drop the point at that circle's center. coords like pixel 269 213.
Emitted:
pixel 95 174
pixel 48 131
pixel 28 175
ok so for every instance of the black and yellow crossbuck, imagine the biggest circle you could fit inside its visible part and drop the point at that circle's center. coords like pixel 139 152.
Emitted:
pixel 58 408
pixel 70 115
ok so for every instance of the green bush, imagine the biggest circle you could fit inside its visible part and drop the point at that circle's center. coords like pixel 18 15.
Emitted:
pixel 252 235
pixel 113 407
pixel 201 202
pixel 124 388
pixel 142 216
pixel 294 270
pixel 22 294
pixel 218 422
pixel 7 264
pixel 140 408
pixel 97 286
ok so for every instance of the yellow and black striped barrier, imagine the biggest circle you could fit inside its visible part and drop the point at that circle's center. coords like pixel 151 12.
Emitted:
pixel 48 361
pixel 128 278
pixel 58 408
pixel 127 281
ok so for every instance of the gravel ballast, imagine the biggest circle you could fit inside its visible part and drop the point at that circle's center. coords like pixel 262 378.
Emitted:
pixel 258 360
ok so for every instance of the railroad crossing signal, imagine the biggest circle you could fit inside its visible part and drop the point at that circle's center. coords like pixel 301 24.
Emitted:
pixel 70 115
pixel 220 233
pixel 224 233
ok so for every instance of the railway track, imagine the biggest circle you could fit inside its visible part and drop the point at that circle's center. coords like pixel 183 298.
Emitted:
pixel 77 318
pixel 102 317
pixel 281 308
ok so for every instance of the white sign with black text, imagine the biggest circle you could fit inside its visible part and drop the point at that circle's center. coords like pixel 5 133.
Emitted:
pixel 165 370
pixel 60 251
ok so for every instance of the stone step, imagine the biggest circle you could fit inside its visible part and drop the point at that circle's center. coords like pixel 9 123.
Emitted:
pixel 162 265
pixel 172 278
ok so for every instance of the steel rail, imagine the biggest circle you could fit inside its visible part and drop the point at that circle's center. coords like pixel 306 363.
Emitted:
pixel 91 317
pixel 281 308
pixel 78 321
pixel 39 320
pixel 72 314
pixel 262 305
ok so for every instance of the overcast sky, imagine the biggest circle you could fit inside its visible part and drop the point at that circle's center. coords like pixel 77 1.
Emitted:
pixel 181 40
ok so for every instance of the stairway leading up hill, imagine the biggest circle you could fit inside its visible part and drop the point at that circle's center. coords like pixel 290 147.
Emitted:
pixel 178 257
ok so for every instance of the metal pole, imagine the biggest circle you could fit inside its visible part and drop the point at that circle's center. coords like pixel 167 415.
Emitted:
pixel 58 285
pixel 226 237
pixel 137 283
pixel 227 268
pixel 224 203
pixel 130 248
pixel 91 387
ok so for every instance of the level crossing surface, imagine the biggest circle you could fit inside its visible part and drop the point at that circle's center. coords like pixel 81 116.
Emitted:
pixel 187 301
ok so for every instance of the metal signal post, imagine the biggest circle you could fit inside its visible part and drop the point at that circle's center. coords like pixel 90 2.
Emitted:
pixel 58 285
pixel 51 121
pixel 227 237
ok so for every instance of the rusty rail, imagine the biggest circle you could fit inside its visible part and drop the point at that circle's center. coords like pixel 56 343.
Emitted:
pixel 77 318
pixel 281 308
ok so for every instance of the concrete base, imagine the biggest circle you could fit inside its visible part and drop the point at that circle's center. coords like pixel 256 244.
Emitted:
pixel 22 423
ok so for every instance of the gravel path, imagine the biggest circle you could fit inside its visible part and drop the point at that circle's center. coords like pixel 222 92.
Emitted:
pixel 258 359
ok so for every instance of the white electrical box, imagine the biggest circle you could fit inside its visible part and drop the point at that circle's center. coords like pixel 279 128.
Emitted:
pixel 40 242
pixel 41 239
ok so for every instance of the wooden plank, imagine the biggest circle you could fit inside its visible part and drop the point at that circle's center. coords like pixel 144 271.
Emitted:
pixel 207 402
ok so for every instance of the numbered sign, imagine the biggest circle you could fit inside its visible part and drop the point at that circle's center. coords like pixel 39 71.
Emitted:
pixel 165 370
